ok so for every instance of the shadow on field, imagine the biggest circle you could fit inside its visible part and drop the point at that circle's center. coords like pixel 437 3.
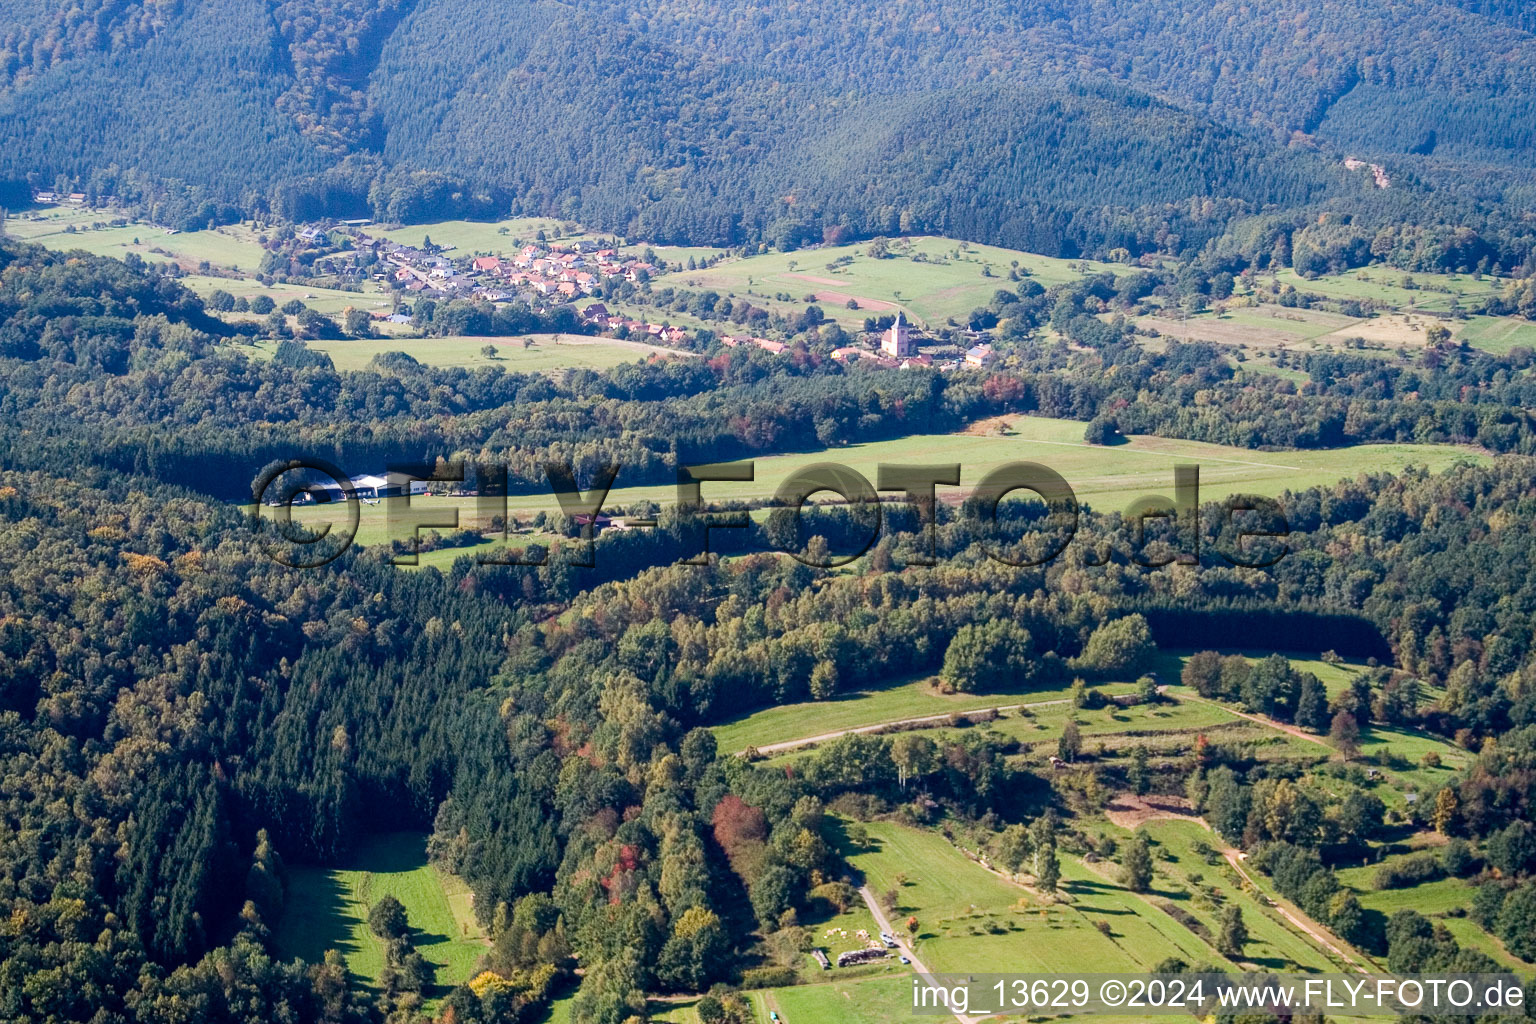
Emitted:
pixel 315 916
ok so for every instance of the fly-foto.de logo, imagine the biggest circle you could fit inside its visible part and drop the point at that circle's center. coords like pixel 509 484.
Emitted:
pixel 1022 514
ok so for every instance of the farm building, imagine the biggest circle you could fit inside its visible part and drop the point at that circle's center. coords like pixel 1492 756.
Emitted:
pixel 979 355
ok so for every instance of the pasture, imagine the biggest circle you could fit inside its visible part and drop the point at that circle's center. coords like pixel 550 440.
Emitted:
pixel 1267 330
pixel 970 919
pixel 907 698
pixel 1395 289
pixel 931 280
pixel 327 908
pixel 1201 884
pixel 233 246
pixel 466 237
pixel 1335 676
pixel 1107 478
pixel 1497 334
pixel 863 1000
pixel 547 353
pixel 330 301
pixel 1399 752
pixel 1166 729
pixel 1443 899
pixel 1153 725
pixel 1263 326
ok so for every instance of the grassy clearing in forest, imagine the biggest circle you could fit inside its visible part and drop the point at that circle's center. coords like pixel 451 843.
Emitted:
pixel 327 908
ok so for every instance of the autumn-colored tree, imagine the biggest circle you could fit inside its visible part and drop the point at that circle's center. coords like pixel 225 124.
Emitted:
pixel 1446 806
pixel 1345 734
pixel 741 831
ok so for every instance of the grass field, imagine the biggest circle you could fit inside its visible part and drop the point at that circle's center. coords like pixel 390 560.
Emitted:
pixel 1335 676
pixel 1164 727
pixel 472 236
pixel 1268 331
pixel 1202 889
pixel 559 1011
pixel 865 1000
pixel 1385 285
pixel 1265 326
pixel 908 698
pixel 550 353
pixel 1107 478
pixel 327 908
pixel 1139 724
pixel 233 246
pixel 330 301
pixel 1399 751
pixel 950 281
pixel 1436 899
pixel 972 920
pixel 1497 334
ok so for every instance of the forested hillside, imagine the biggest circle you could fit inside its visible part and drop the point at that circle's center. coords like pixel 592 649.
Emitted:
pixel 1027 125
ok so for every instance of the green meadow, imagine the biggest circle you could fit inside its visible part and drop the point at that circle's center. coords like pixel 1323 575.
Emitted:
pixel 330 301
pixel 863 1000
pixel 1165 728
pixel 1497 334
pixel 1385 285
pixel 931 281
pixel 970 919
pixel 327 908
pixel 1336 676
pixel 471 236
pixel 548 353
pixel 1202 884
pixel 1107 478
pixel 1398 752
pixel 233 246
pixel 908 698
pixel 1444 899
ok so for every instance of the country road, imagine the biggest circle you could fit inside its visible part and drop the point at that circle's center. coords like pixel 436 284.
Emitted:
pixel 1312 929
pixel 901 944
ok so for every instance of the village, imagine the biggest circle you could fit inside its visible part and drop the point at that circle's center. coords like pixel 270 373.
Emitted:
pixel 591 276
pixel 545 274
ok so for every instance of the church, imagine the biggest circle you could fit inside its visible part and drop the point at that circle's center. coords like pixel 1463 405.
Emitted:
pixel 898 342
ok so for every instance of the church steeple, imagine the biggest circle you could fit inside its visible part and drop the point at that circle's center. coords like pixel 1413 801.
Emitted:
pixel 897 342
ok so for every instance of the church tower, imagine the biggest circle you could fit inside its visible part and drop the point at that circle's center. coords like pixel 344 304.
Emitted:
pixel 897 342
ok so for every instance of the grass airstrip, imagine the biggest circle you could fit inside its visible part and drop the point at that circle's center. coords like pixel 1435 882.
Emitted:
pixel 1107 478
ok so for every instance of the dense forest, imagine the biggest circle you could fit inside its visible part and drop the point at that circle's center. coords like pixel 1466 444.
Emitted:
pixel 1154 127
